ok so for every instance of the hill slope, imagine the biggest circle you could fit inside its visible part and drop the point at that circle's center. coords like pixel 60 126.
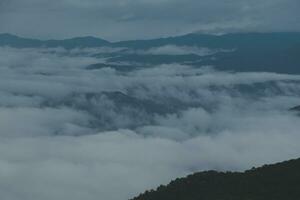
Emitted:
pixel 271 182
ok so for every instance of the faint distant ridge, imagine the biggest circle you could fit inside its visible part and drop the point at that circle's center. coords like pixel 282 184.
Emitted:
pixel 231 40
pixel 259 52
pixel 255 52
pixel 7 39
pixel 77 42
pixel 271 182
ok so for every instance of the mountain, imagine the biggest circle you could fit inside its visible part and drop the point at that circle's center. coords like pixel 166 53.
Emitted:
pixel 233 40
pixel 271 182
pixel 78 42
pixel 243 52
pixel 15 41
pixel 227 41
pixel 271 52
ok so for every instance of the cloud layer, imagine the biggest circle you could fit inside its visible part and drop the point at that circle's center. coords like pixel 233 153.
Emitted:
pixel 76 133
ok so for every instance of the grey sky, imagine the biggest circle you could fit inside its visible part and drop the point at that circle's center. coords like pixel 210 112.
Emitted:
pixel 130 19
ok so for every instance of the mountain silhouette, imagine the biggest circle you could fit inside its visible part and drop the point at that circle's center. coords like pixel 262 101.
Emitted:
pixel 271 182
pixel 259 52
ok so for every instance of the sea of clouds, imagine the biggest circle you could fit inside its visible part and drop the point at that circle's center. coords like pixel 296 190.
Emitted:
pixel 70 132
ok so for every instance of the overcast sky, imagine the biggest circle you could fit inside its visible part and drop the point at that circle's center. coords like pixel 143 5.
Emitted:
pixel 131 19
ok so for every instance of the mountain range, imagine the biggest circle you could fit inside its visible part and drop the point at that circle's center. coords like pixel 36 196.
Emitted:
pixel 233 40
pixel 270 52
pixel 78 42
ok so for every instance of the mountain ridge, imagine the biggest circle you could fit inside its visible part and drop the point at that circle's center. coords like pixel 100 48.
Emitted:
pixel 277 52
pixel 279 181
pixel 7 39
pixel 187 39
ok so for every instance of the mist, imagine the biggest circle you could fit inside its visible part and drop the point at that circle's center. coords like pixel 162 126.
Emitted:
pixel 71 132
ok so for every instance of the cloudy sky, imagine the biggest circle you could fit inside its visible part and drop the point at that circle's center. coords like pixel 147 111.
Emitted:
pixel 130 19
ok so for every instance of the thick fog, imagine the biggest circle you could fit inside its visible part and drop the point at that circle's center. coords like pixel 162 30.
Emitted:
pixel 70 131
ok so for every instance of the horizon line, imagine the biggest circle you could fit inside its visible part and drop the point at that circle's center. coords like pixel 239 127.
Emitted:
pixel 163 37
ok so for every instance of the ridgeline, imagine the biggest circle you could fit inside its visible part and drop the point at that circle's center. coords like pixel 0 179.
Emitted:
pixel 271 182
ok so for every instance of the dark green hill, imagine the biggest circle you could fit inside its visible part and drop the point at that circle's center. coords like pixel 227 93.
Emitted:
pixel 271 182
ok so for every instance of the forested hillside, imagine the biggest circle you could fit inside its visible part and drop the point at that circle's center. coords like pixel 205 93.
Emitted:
pixel 271 182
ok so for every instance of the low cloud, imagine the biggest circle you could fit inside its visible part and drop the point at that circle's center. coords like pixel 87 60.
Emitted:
pixel 76 133
pixel 182 50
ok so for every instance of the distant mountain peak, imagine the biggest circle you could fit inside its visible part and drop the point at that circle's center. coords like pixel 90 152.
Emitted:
pixel 11 40
pixel 88 38
pixel 8 35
